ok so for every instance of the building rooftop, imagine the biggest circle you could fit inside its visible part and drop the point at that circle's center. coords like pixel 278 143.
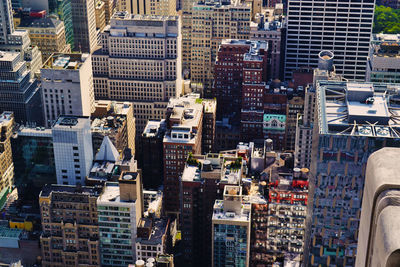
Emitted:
pixel 83 190
pixel 34 131
pixel 76 122
pixel 126 15
pixel 60 61
pixel 256 48
pixel 220 215
pixel 111 194
pixel 158 230
pixel 8 56
pixel 6 232
pixel 39 23
pixel 185 115
pixel 359 109
pixel 213 166
pixel 154 128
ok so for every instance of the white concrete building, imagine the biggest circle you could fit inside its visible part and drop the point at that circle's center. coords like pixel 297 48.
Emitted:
pixel 119 211
pixel 378 236
pixel 341 27
pixel 67 86
pixel 73 151
pixel 139 61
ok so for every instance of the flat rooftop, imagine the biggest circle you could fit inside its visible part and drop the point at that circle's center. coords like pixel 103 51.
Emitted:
pixel 87 190
pixel 221 216
pixel 34 132
pixel 186 114
pixel 6 232
pixel 62 61
pixel 77 122
pixel 154 128
pixel 157 231
pixel 111 194
pixel 8 56
pixel 355 108
pixel 222 172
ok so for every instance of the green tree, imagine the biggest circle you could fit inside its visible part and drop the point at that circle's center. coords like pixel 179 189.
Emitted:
pixel 387 20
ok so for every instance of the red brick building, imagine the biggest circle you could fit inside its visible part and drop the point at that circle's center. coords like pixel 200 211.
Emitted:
pixel 185 124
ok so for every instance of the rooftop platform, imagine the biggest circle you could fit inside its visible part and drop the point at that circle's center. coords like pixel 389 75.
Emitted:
pixel 357 108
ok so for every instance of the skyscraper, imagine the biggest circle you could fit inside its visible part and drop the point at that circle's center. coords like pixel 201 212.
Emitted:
pixel 84 25
pixel 120 207
pixel 63 9
pixel 184 123
pixel 18 92
pixel 378 243
pixel 211 22
pixel 7 25
pixel 67 86
pixel 6 159
pixel 231 225
pixel 341 27
pixel 352 121
pixel 73 151
pixel 139 61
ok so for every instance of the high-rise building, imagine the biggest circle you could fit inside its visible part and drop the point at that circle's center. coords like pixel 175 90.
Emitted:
pixel 343 28
pixel 115 120
pixel 228 76
pixel 67 86
pixel 6 160
pixel 63 9
pixel 378 243
pixel 209 121
pixel 305 120
pixel 110 8
pixel 70 234
pixel 7 27
pixel 352 121
pixel 33 157
pixel 295 107
pixel 139 61
pixel 18 92
pixel 211 22
pixel 304 130
pixel 17 40
pixel 73 152
pixel 151 164
pixel 203 181
pixel 272 32
pixel 120 207
pixel 123 5
pixel 252 116
pixel 231 225
pixel 185 125
pixel 153 7
pixel 84 25
pixel 100 14
pixel 240 83
pixel 52 41
pixel 384 59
